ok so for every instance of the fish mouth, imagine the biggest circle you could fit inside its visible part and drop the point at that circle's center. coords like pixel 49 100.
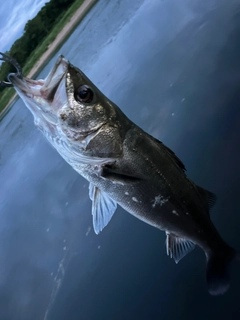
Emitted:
pixel 41 88
pixel 43 97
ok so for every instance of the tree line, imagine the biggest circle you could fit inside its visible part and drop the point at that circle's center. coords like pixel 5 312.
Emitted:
pixel 34 32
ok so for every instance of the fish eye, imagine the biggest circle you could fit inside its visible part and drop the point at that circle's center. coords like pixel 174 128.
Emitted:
pixel 84 94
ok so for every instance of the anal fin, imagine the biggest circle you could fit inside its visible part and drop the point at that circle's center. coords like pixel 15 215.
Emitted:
pixel 177 247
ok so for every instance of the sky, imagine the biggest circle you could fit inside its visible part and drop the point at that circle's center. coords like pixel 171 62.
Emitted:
pixel 13 17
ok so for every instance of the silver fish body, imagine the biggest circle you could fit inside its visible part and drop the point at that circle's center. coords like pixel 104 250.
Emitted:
pixel 124 166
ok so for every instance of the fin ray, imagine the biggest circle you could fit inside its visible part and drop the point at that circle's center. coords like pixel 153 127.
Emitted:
pixel 209 197
pixel 177 247
pixel 103 208
pixel 173 156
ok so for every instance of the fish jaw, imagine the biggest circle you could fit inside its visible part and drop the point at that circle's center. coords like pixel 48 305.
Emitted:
pixel 44 97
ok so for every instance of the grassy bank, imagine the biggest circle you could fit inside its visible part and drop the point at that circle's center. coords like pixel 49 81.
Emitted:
pixel 9 93
pixel 41 48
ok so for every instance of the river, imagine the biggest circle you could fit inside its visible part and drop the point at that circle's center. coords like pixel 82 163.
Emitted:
pixel 173 67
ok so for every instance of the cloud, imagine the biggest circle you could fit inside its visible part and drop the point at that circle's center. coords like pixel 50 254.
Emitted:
pixel 13 17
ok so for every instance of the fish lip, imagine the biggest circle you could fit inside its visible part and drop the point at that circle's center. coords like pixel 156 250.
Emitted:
pixel 45 89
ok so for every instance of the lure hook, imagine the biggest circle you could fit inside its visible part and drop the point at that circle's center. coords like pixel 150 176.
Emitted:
pixel 14 63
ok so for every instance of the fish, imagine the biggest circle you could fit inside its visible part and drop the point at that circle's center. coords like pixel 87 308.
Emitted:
pixel 124 165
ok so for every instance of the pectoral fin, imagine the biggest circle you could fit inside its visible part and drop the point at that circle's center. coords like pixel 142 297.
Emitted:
pixel 177 248
pixel 118 177
pixel 103 208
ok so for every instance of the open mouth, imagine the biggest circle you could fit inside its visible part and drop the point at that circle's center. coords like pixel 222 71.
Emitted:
pixel 44 89
pixel 42 97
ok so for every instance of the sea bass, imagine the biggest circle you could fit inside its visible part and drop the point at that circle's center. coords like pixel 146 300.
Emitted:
pixel 124 165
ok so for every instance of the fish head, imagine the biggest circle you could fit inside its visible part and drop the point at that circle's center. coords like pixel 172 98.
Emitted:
pixel 66 98
pixel 69 109
pixel 87 109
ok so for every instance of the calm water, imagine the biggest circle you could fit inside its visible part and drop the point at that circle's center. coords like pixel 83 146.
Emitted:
pixel 173 67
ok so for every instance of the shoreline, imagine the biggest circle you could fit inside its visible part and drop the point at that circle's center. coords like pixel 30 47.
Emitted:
pixel 58 41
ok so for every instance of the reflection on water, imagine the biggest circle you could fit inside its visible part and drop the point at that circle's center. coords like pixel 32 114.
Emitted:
pixel 173 68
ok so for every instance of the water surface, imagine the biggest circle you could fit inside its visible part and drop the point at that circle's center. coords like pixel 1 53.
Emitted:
pixel 173 67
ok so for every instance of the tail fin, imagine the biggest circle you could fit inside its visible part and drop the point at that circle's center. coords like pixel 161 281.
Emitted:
pixel 218 271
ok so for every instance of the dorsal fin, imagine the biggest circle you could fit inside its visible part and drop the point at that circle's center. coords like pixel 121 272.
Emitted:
pixel 209 197
pixel 171 153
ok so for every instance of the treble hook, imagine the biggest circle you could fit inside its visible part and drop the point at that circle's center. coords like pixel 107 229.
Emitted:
pixel 14 63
